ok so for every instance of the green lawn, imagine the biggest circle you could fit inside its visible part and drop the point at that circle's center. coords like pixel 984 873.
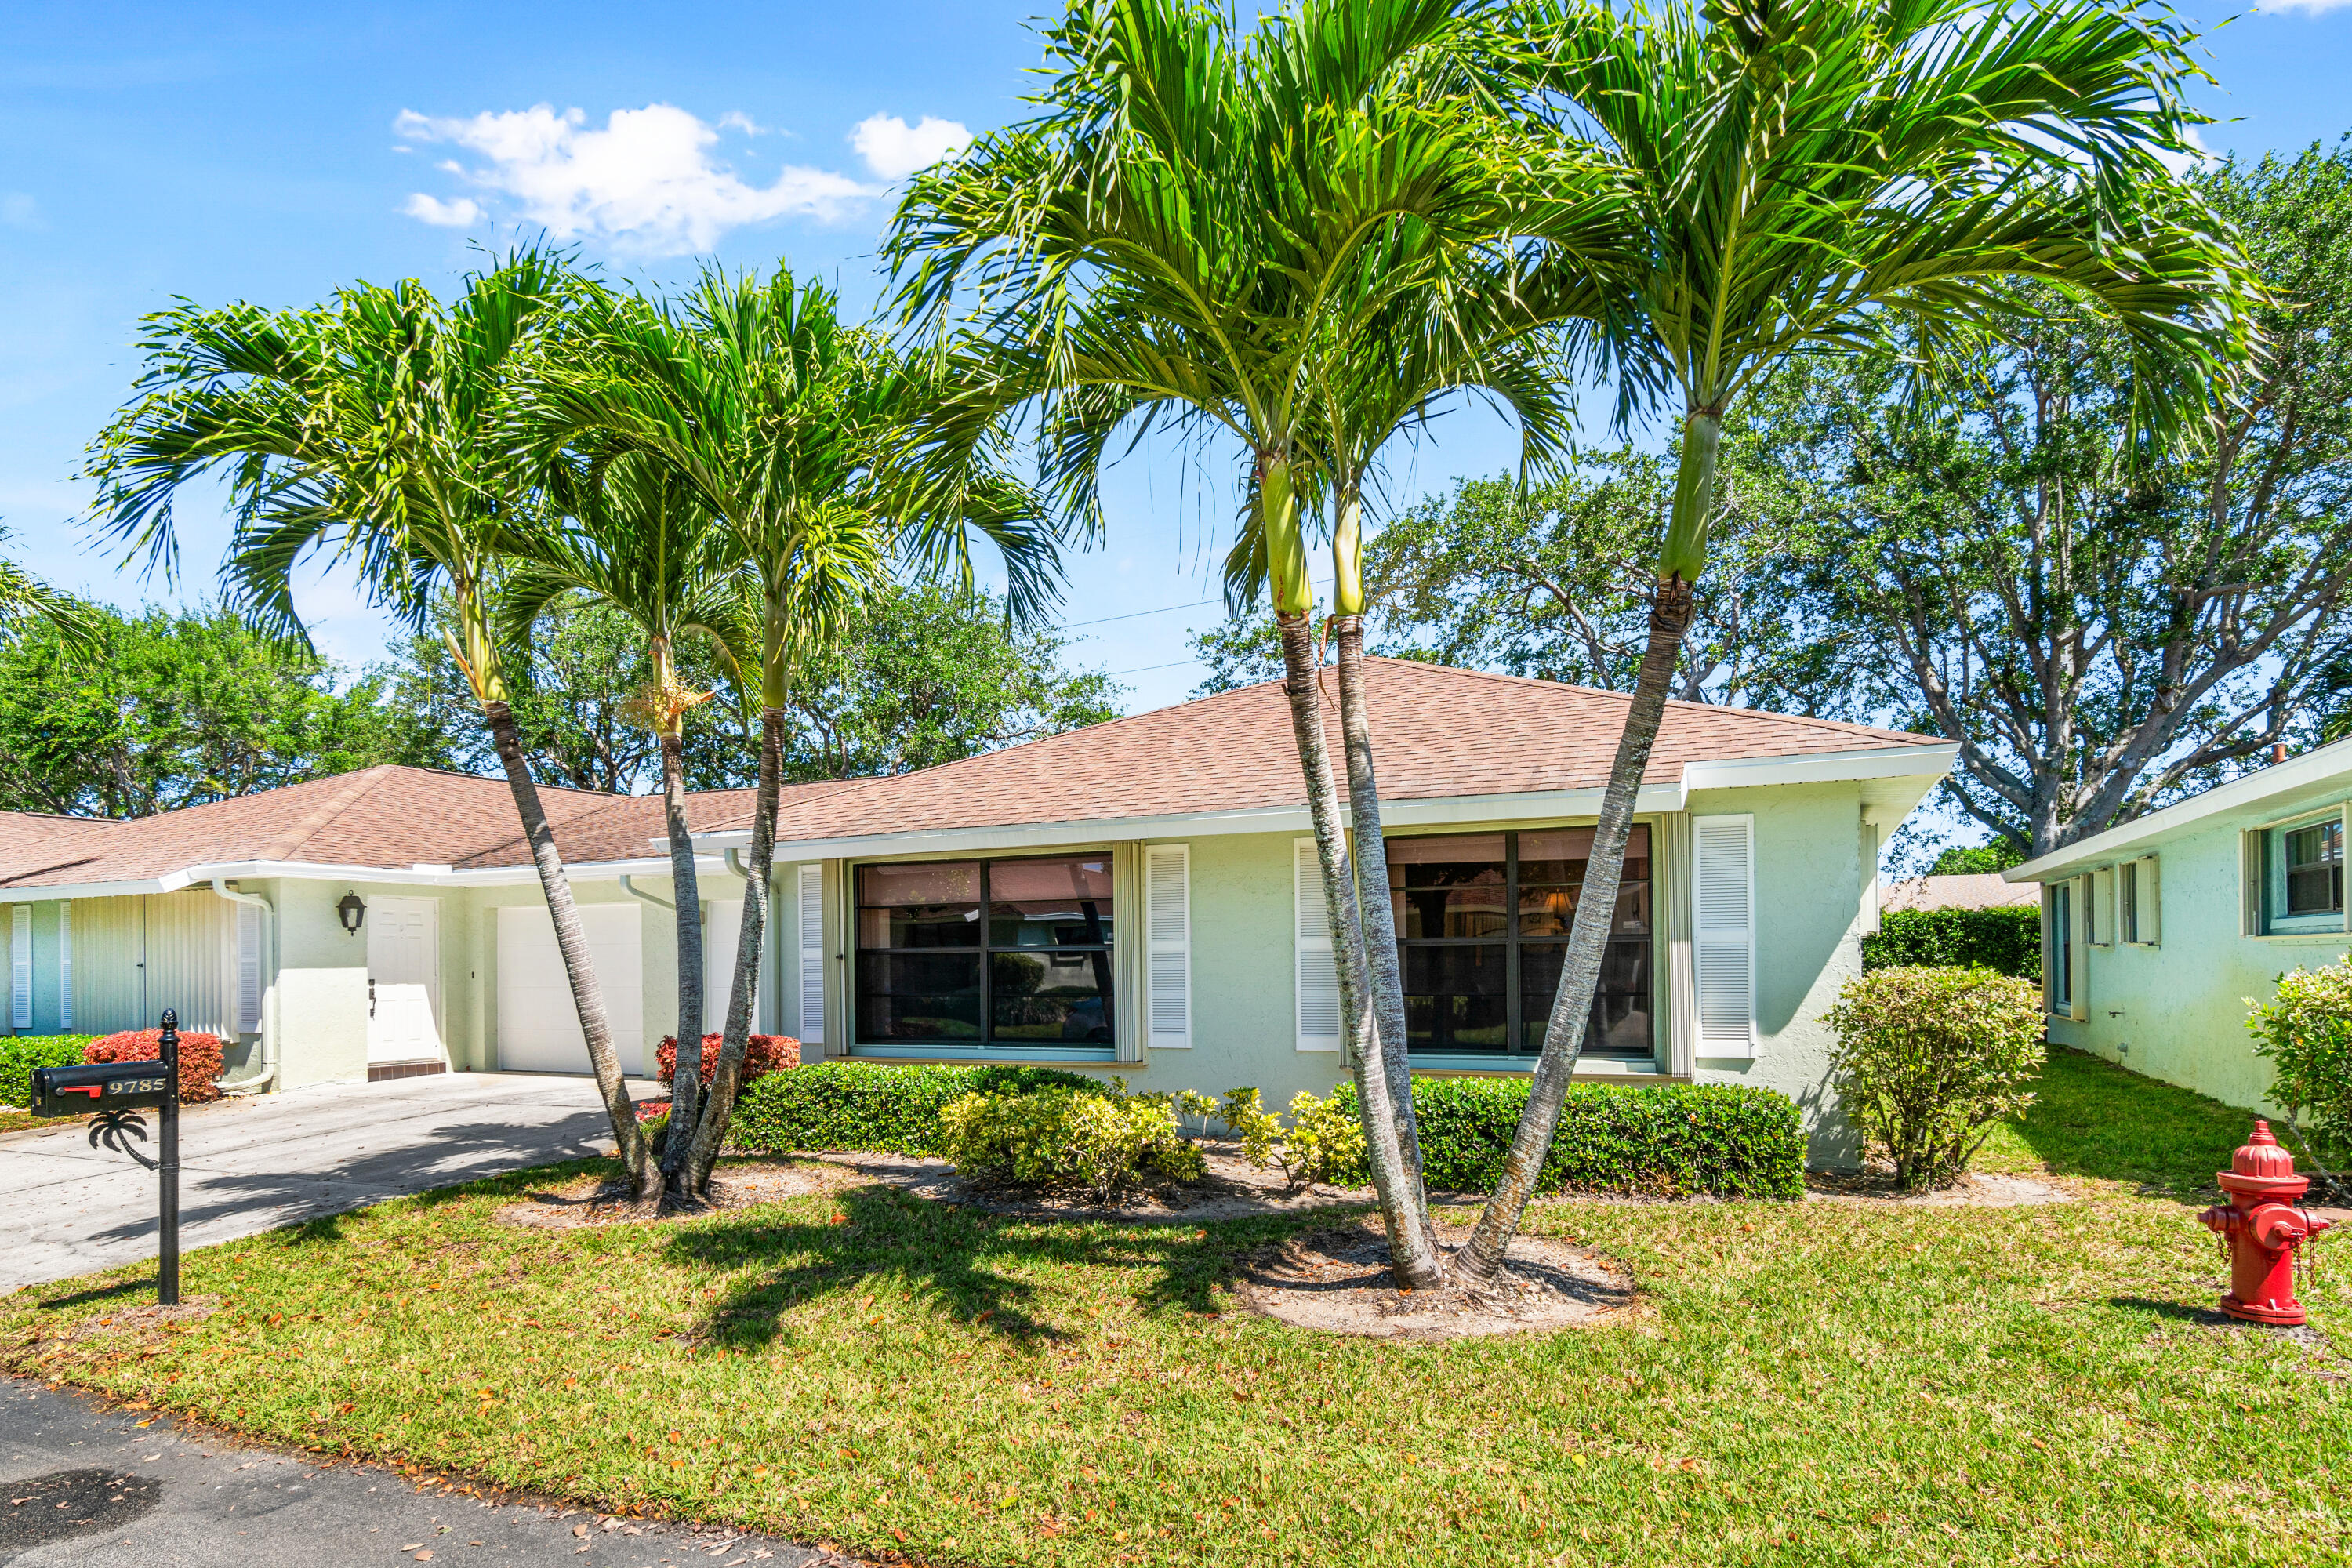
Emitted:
pixel 1824 1383
pixel 2090 1117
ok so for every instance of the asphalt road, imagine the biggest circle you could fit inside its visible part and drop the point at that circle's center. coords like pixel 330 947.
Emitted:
pixel 93 1488
pixel 250 1165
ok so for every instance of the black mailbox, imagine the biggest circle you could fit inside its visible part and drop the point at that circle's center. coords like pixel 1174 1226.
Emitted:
pixel 99 1086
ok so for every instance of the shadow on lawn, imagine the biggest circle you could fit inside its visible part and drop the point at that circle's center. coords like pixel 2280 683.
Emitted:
pixel 955 1257
pixel 2092 1118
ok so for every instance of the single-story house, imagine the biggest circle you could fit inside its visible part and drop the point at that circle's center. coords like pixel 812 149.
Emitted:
pixel 1960 890
pixel 1139 896
pixel 2155 933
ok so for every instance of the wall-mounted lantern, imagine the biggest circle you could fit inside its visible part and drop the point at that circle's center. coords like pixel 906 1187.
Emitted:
pixel 352 913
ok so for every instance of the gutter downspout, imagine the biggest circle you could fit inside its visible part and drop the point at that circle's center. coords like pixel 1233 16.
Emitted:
pixel 268 1073
pixel 630 888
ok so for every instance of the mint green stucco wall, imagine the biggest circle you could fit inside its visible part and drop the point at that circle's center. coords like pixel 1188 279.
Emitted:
pixel 2177 1011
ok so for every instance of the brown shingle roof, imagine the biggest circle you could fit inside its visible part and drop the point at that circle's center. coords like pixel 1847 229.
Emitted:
pixel 1437 731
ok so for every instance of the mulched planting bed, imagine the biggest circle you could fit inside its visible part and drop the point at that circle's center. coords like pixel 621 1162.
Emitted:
pixel 1338 1281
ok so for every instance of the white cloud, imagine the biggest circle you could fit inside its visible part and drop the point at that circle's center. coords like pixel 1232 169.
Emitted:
pixel 2197 156
pixel 893 149
pixel 645 182
pixel 463 212
pixel 2313 7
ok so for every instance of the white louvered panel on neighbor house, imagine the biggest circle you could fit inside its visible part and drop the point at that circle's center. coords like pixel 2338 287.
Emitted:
pixel 20 966
pixel 1168 945
pixel 1723 933
pixel 809 915
pixel 190 960
pixel 65 967
pixel 1316 974
pixel 107 970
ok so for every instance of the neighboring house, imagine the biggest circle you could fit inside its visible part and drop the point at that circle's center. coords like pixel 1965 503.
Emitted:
pixel 2155 933
pixel 1970 890
pixel 1137 897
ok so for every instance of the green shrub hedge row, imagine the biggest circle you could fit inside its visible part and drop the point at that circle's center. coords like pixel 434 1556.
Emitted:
pixel 877 1107
pixel 20 1054
pixel 2007 941
pixel 1663 1139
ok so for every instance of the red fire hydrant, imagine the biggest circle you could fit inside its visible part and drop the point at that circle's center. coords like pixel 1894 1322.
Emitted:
pixel 2261 1226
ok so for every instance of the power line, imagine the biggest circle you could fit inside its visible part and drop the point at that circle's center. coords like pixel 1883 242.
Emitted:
pixel 1142 669
pixel 1105 620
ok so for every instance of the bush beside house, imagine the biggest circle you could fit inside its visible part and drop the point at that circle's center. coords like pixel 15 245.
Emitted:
pixel 2007 941
pixel 1665 1140
pixel 20 1054
pixel 1928 1058
pixel 200 1058
pixel 763 1053
pixel 2305 1031
pixel 874 1107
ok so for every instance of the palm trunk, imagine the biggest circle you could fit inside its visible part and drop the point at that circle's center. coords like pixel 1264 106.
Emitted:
pixel 1384 982
pixel 1588 943
pixel 587 995
pixel 686 1082
pixel 1414 1262
pixel 710 1132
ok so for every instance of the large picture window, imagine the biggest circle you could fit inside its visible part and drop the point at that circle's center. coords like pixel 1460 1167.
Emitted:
pixel 986 953
pixel 1482 924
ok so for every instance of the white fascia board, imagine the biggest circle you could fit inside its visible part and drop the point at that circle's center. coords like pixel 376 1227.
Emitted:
pixel 1825 767
pixel 418 876
pixel 2319 774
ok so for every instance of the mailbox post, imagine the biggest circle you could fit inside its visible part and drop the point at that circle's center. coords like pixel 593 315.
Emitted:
pixel 108 1093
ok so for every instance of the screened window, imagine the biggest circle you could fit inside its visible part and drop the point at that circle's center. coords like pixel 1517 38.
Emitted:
pixel 1482 925
pixel 2306 875
pixel 986 953
pixel 2061 965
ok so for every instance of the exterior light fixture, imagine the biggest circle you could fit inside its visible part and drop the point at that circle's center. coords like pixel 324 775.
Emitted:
pixel 352 913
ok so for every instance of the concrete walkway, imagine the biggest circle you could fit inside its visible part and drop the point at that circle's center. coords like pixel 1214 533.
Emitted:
pixel 254 1165
pixel 94 1488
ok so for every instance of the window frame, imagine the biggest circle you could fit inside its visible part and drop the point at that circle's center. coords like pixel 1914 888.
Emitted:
pixel 2058 962
pixel 1511 1057
pixel 2272 842
pixel 988 1044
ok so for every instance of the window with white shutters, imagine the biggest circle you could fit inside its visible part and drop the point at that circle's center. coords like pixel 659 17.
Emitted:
pixel 64 966
pixel 20 966
pixel 1316 973
pixel 812 941
pixel 1167 950
pixel 1723 933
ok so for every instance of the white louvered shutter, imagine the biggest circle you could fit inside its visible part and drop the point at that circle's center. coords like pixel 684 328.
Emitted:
pixel 20 966
pixel 64 966
pixel 1316 973
pixel 249 969
pixel 812 941
pixel 2151 902
pixel 1723 921
pixel 1168 945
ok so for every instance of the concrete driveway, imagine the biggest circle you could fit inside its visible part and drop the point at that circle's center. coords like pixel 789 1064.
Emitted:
pixel 254 1165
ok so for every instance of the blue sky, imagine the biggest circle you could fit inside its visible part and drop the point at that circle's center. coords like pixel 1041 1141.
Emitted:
pixel 272 152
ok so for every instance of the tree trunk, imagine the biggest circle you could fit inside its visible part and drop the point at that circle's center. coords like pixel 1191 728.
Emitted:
pixel 1416 1264
pixel 587 995
pixel 686 1082
pixel 1383 981
pixel 710 1132
pixel 1588 943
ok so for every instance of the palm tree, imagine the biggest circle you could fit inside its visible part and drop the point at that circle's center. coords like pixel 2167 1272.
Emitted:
pixel 635 535
pixel 1193 223
pixel 25 599
pixel 1812 174
pixel 373 428
pixel 783 418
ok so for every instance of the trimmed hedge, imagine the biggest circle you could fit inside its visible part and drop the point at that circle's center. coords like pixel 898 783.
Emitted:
pixel 2007 941
pixel 1663 1139
pixel 201 1062
pixel 875 1106
pixel 20 1054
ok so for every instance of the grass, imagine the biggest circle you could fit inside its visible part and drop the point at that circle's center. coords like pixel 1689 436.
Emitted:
pixel 1831 1384
pixel 2090 1117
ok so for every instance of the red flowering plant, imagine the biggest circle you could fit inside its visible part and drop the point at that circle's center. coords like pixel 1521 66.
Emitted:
pixel 200 1058
pixel 763 1053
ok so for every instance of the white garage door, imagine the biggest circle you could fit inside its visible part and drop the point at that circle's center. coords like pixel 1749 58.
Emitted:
pixel 722 933
pixel 538 1027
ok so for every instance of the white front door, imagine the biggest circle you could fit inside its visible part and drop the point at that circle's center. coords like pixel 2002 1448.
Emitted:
pixel 539 1025
pixel 403 946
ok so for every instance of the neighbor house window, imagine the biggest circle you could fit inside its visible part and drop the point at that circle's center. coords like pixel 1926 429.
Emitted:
pixel 1482 925
pixel 2059 966
pixel 986 953
pixel 2127 902
pixel 2304 865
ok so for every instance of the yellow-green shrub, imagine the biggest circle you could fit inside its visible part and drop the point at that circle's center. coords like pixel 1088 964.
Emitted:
pixel 1067 1139
pixel 1324 1142
pixel 1928 1059
pixel 2306 1032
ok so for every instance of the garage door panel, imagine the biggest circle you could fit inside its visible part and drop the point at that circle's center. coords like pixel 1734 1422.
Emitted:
pixel 539 1026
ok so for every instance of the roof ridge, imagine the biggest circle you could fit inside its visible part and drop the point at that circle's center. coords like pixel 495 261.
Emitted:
pixel 357 786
